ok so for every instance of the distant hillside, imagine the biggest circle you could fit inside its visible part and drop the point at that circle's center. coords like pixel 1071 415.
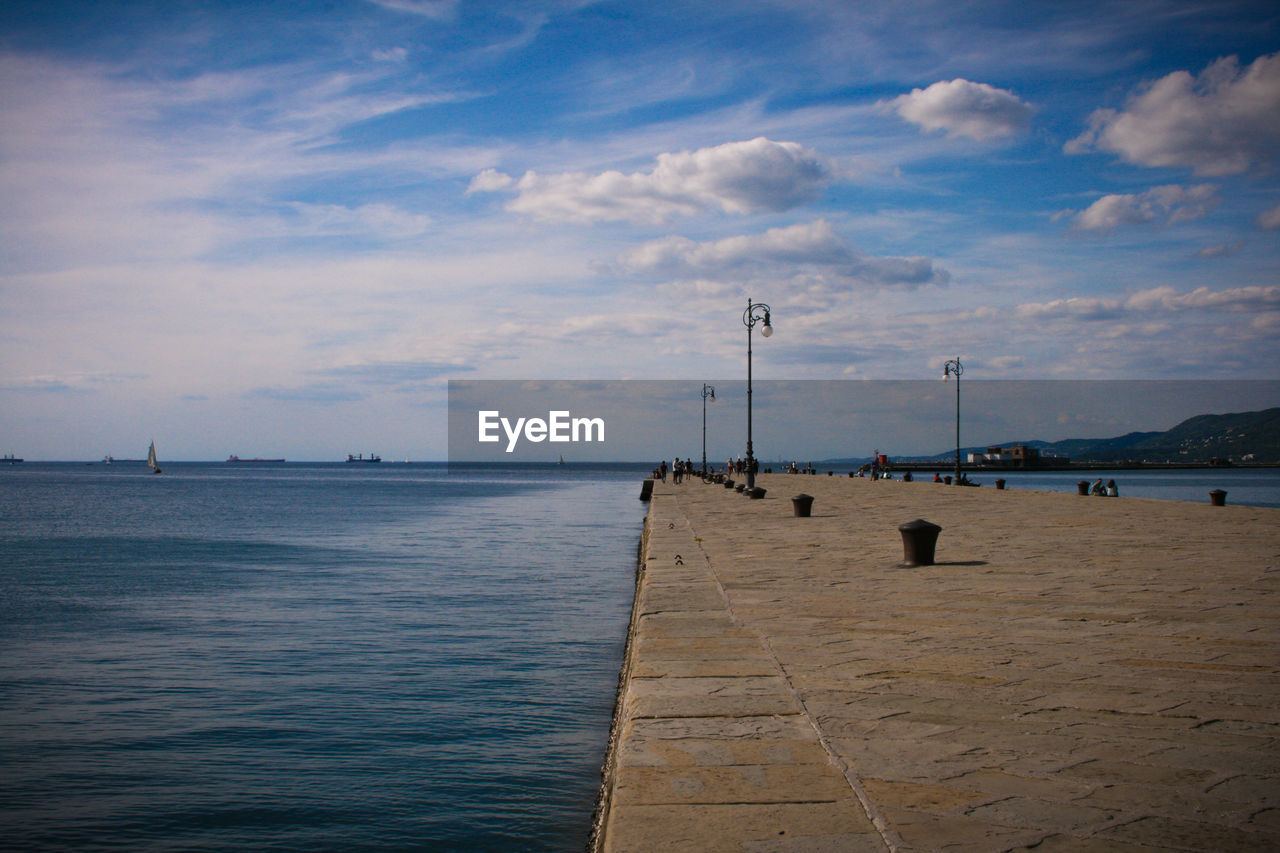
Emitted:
pixel 1237 437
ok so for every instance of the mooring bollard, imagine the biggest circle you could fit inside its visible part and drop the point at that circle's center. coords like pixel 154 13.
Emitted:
pixel 999 484
pixel 1218 498
pixel 741 487
pixel 756 493
pixel 947 479
pixel 728 484
pixel 1082 487
pixel 919 538
pixel 802 505
pixel 646 490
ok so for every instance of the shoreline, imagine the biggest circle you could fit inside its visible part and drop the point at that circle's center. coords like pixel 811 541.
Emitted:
pixel 1070 672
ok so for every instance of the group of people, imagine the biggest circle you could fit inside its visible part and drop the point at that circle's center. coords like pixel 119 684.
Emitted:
pixel 678 470
pixel 1109 490
pixel 683 467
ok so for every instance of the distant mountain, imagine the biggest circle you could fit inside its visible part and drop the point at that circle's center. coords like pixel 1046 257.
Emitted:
pixel 1237 437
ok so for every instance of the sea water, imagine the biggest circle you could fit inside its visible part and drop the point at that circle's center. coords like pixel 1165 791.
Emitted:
pixel 309 657
pixel 1245 486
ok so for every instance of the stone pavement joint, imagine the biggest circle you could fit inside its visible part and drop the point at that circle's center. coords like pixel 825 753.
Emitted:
pixel 1073 674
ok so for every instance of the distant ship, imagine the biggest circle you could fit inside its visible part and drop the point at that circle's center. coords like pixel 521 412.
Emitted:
pixel 10 459
pixel 233 459
pixel 360 457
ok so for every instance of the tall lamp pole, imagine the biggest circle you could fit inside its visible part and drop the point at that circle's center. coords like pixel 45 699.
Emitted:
pixel 708 393
pixel 954 368
pixel 755 313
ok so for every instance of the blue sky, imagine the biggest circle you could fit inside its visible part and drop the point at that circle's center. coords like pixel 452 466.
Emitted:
pixel 280 228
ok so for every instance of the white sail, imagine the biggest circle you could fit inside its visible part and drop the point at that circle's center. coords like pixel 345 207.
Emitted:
pixel 151 458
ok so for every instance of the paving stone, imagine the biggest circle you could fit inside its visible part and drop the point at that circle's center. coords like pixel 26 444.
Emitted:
pixel 1173 833
pixel 1042 814
pixel 913 795
pixel 1062 843
pixel 760 783
pixel 736 827
pixel 927 831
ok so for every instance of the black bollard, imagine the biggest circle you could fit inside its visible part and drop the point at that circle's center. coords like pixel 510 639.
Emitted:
pixel 919 538
pixel 756 493
pixel 999 484
pixel 947 479
pixel 728 484
pixel 646 490
pixel 1218 498
pixel 741 487
pixel 1082 487
pixel 802 505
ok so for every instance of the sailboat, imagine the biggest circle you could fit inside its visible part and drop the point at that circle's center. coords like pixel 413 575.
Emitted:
pixel 151 458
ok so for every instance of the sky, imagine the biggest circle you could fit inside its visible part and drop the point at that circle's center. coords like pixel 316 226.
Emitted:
pixel 280 228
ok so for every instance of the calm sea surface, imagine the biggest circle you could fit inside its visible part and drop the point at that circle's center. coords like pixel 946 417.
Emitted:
pixel 309 657
pixel 1251 486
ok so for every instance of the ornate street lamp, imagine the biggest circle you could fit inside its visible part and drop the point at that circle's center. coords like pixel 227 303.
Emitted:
pixel 756 312
pixel 708 393
pixel 953 368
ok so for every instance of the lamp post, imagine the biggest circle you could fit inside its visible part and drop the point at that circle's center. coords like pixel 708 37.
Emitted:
pixel 954 368
pixel 708 393
pixel 756 312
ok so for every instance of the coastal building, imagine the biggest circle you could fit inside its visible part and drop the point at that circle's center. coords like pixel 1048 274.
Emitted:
pixel 1015 456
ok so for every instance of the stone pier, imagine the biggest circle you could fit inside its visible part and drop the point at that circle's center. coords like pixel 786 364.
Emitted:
pixel 1073 673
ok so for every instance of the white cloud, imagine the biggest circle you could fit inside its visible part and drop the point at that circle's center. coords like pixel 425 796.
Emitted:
pixel 382 221
pixel 1222 122
pixel 1152 303
pixel 1234 299
pixel 737 177
pixel 1080 308
pixel 76 382
pixel 434 9
pixel 1269 219
pixel 1221 250
pixel 489 181
pixel 811 252
pixel 815 243
pixel 964 108
pixel 1168 205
